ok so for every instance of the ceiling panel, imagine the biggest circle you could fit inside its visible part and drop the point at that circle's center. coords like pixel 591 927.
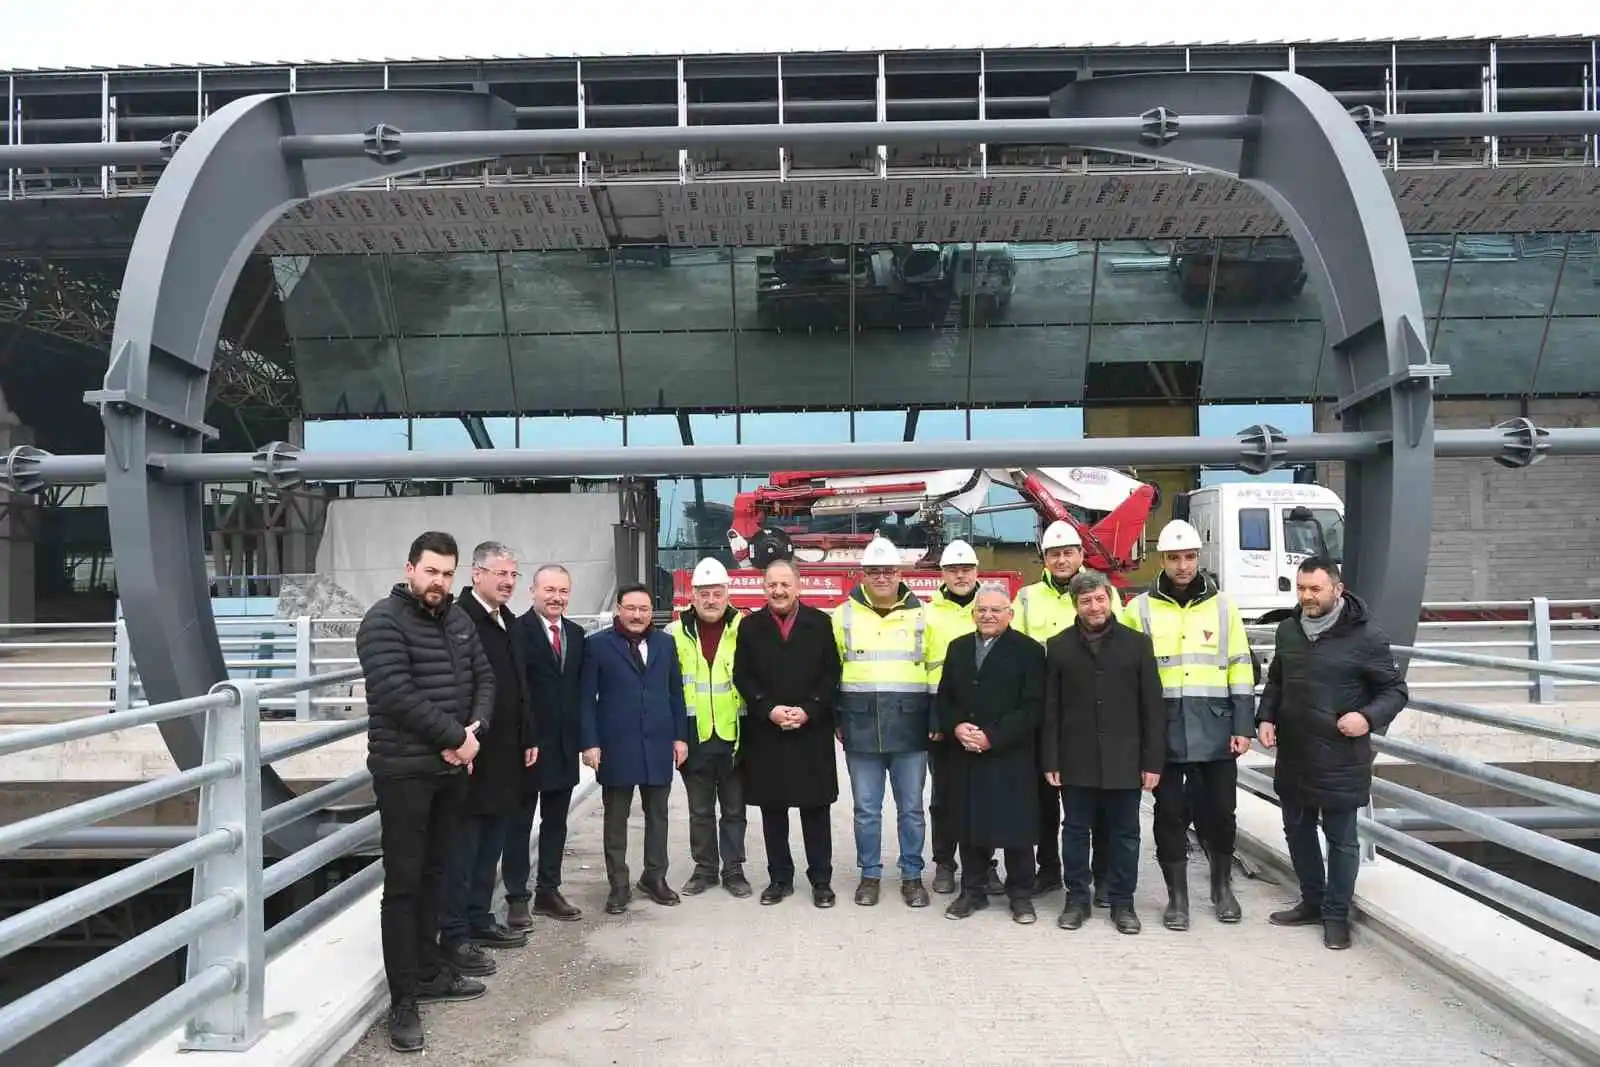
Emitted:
pixel 837 210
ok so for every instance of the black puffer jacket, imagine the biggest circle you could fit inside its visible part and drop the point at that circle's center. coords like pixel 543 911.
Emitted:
pixel 1309 686
pixel 427 678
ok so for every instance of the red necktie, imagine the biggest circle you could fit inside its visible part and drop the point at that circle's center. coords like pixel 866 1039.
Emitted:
pixel 555 638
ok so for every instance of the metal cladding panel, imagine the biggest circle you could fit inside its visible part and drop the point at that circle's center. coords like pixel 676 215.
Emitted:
pixel 1012 208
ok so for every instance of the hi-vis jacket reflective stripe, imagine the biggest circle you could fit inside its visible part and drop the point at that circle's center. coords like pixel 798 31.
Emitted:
pixel 708 691
pixel 947 621
pixel 885 704
pixel 1203 653
pixel 1041 612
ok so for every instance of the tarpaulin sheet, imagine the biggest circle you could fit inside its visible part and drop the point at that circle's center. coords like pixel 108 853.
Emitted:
pixel 365 542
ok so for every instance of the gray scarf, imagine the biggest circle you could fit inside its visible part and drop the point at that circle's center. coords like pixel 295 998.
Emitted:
pixel 1317 626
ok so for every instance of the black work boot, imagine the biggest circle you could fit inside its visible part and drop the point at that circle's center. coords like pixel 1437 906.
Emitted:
pixel 944 878
pixel 867 891
pixel 964 905
pixel 1336 933
pixel 736 884
pixel 1074 915
pixel 519 916
pixel 914 893
pixel 617 901
pixel 1176 917
pixel 698 883
pixel 1125 919
pixel 1222 888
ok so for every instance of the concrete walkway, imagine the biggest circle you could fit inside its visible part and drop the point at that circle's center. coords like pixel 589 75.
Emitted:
pixel 724 981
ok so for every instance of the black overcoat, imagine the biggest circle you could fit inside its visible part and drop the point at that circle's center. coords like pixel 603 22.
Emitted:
pixel 1310 684
pixel 496 784
pixel 994 794
pixel 554 688
pixel 788 768
pixel 1105 721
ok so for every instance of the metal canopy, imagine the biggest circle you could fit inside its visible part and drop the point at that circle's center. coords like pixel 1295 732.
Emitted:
pixel 1278 132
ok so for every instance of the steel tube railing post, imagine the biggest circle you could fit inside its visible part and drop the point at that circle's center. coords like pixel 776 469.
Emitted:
pixel 122 669
pixel 234 1021
pixel 302 666
pixel 1542 687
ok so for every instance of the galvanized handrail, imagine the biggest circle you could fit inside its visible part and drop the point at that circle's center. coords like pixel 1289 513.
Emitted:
pixel 228 946
pixel 1557 914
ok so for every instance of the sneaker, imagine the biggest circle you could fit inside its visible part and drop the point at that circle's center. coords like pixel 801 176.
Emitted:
pixel 405 1026
pixel 447 986
pixel 1302 914
pixel 698 883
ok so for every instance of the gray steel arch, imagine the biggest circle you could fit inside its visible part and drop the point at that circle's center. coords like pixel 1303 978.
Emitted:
pixel 1317 167
pixel 223 188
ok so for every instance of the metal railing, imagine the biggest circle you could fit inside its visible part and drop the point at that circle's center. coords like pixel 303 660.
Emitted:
pixel 223 930
pixel 1560 806
pixel 53 668
pixel 1471 652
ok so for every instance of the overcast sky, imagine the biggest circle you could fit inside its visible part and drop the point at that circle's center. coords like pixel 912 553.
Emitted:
pixel 101 33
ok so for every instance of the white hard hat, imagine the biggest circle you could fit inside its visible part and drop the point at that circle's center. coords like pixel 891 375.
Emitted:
pixel 1178 536
pixel 709 572
pixel 958 554
pixel 1060 534
pixel 880 552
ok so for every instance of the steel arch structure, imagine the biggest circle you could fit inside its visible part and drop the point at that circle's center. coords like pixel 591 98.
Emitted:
pixel 255 158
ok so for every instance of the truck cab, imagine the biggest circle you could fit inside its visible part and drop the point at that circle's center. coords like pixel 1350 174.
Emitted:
pixel 1255 536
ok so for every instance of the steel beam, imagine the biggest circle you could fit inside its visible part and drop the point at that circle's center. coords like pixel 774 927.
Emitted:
pixel 1317 168
pixel 214 201
pixel 1093 131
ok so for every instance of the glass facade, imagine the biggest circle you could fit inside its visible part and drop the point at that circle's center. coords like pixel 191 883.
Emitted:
pixel 655 329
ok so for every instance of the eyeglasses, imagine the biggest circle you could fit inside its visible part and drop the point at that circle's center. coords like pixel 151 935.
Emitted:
pixel 502 575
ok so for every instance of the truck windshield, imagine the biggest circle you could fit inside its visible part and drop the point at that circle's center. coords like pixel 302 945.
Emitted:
pixel 1322 534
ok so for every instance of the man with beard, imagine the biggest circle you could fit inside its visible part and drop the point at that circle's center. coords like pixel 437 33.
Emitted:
pixel 634 733
pixel 706 637
pixel 950 616
pixel 1041 611
pixel 429 692
pixel 1105 739
pixel 1206 674
pixel 1333 682
pixel 787 670
pixel 989 703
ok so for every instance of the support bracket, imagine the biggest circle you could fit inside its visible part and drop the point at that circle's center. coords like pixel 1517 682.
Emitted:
pixel 1525 443
pixel 21 471
pixel 1261 448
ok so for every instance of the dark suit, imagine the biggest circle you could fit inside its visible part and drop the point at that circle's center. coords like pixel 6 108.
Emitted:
pixel 494 789
pixel 547 787
pixel 993 801
pixel 634 715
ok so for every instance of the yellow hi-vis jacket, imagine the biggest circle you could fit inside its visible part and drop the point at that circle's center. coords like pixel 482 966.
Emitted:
pixel 885 704
pixel 947 621
pixel 1041 610
pixel 1207 678
pixel 708 691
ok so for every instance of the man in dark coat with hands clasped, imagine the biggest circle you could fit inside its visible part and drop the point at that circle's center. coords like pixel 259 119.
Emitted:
pixel 1332 684
pixel 429 693
pixel 787 669
pixel 495 788
pixel 1105 739
pixel 987 709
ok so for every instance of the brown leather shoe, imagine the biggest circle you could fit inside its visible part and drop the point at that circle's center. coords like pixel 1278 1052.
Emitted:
pixel 518 915
pixel 659 892
pixel 551 903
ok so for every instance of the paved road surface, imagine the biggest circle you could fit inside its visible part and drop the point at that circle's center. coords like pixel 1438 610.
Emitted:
pixel 724 981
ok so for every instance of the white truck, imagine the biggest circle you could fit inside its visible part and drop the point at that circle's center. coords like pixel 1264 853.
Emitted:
pixel 1256 535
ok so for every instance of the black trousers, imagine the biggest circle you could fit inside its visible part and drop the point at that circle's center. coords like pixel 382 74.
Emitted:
pixel 816 830
pixel 618 803
pixel 516 864
pixel 1205 793
pixel 712 781
pixel 468 896
pixel 1049 851
pixel 941 812
pixel 975 863
pixel 1120 808
pixel 420 818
